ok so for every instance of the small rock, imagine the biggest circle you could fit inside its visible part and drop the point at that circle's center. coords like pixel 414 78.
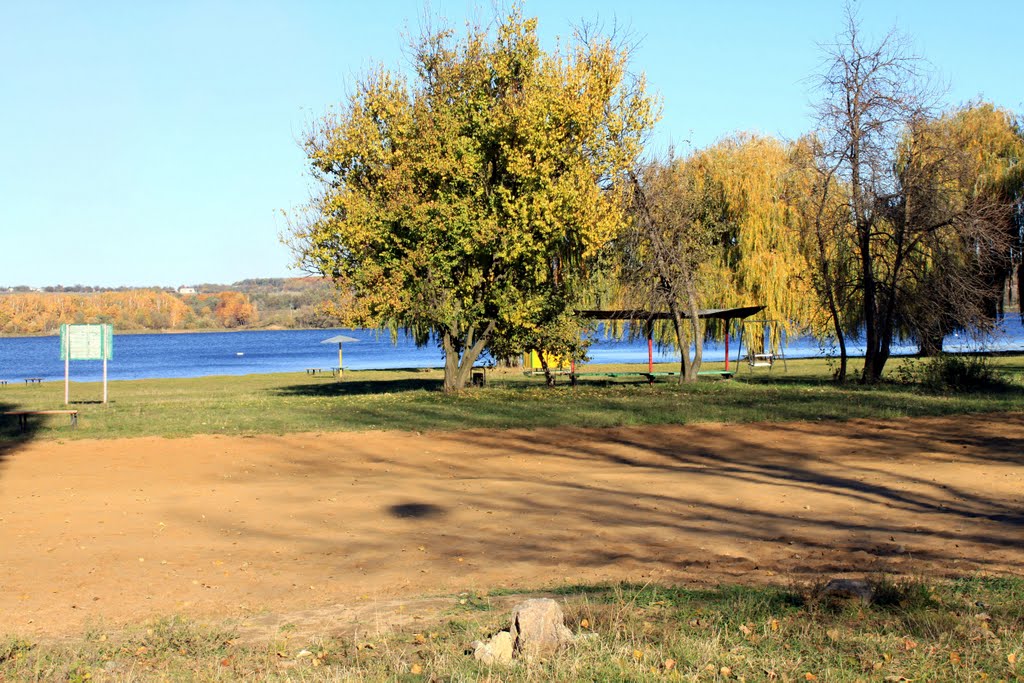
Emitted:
pixel 538 628
pixel 496 650
pixel 846 589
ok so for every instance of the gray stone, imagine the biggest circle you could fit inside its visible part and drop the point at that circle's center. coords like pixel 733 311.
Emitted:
pixel 849 589
pixel 538 628
pixel 495 650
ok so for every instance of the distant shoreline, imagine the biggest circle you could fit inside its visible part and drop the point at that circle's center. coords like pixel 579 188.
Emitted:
pixel 268 328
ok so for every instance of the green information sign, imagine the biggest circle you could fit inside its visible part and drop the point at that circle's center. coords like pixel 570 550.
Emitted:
pixel 86 342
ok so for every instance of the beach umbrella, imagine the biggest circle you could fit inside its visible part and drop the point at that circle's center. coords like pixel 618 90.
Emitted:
pixel 339 340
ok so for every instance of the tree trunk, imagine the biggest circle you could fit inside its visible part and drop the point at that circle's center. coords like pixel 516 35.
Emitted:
pixel 829 285
pixel 698 333
pixel 689 367
pixel 549 379
pixel 872 348
pixel 840 374
pixel 457 371
pixel 930 345
pixel 684 348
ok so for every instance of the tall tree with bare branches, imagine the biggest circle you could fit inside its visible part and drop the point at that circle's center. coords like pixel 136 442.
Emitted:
pixel 909 208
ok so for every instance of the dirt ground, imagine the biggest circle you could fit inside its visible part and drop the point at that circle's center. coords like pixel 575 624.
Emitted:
pixel 333 527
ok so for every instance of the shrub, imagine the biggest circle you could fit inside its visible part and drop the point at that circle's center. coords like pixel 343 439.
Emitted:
pixel 951 373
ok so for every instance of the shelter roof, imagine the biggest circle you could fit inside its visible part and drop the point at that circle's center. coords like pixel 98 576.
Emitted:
pixel 637 314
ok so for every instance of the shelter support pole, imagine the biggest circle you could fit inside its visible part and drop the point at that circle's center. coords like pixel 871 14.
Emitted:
pixel 341 368
pixel 67 372
pixel 727 344
pixel 104 379
pixel 650 347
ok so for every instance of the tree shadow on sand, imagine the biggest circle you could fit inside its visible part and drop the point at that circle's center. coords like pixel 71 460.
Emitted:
pixel 12 436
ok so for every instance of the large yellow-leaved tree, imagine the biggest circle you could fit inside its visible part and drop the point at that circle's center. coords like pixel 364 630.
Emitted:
pixel 466 201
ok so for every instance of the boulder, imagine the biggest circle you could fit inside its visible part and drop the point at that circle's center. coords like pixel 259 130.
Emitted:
pixel 495 650
pixel 538 628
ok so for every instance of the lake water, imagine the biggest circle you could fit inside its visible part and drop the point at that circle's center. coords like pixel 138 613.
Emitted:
pixel 140 356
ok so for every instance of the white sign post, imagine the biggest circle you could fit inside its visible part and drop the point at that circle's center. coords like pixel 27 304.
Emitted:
pixel 85 342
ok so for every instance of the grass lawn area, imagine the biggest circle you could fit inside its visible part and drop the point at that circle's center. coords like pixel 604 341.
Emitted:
pixel 412 400
pixel 967 630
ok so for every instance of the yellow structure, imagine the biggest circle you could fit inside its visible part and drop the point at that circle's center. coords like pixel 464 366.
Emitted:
pixel 531 361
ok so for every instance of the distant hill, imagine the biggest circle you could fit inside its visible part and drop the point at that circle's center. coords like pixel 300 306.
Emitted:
pixel 248 304
pixel 295 302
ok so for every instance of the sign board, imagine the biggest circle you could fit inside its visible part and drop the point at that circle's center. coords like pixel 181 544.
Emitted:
pixel 86 342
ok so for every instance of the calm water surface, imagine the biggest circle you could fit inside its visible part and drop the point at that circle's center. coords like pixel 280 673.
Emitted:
pixel 140 356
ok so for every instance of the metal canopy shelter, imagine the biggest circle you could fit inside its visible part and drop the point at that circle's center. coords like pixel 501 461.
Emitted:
pixel 649 317
pixel 636 314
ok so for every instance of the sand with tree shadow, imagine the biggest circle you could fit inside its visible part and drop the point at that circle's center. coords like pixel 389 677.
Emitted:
pixel 260 528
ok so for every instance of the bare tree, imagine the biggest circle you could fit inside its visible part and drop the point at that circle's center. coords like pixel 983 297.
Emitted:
pixel 669 236
pixel 909 213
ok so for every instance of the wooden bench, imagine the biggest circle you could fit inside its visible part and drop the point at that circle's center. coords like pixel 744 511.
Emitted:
pixel 33 380
pixel 23 416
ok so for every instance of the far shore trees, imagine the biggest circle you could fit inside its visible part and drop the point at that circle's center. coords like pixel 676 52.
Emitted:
pixel 469 200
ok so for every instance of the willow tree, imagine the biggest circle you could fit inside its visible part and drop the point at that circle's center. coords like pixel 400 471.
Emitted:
pixel 465 200
pixel 758 257
pixel 959 177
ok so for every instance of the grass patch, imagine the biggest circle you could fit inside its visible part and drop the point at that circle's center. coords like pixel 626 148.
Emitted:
pixel 411 400
pixel 967 630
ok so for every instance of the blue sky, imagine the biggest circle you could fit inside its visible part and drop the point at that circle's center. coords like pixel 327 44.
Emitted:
pixel 155 143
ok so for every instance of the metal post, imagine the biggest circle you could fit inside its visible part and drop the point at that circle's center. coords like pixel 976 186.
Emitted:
pixel 726 344
pixel 104 378
pixel 341 368
pixel 67 372
pixel 650 353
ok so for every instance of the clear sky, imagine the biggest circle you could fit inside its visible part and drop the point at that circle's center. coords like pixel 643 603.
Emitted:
pixel 155 143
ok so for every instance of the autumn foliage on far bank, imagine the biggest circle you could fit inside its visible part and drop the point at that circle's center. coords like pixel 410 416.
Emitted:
pixel 141 309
